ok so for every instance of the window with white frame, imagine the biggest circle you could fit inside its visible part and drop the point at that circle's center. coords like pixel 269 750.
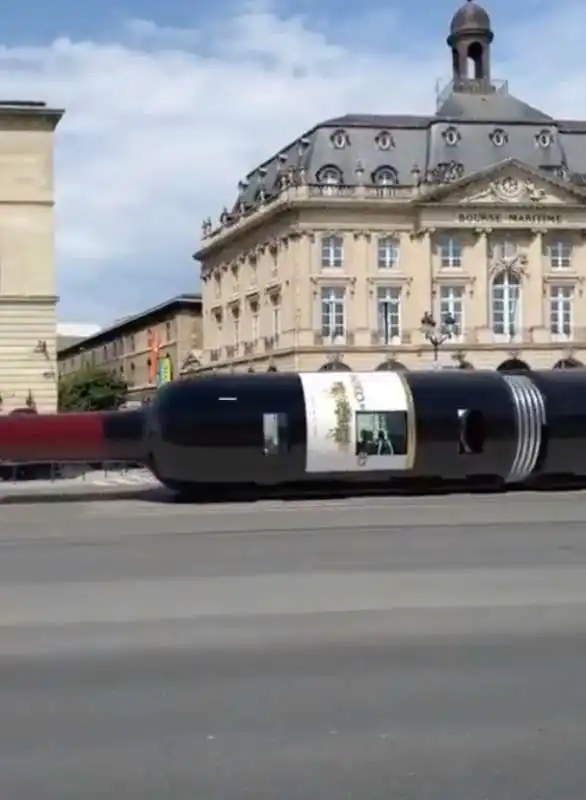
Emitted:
pixel 333 312
pixel 506 304
pixel 559 254
pixel 503 250
pixel 385 176
pixel 388 252
pixel 236 326
pixel 388 307
pixel 451 304
pixel 450 251
pixel 219 329
pixel 276 316
pixel 254 320
pixel 329 178
pixel 561 300
pixel 332 251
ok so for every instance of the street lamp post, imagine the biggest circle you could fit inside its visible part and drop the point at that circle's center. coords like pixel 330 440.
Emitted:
pixel 437 333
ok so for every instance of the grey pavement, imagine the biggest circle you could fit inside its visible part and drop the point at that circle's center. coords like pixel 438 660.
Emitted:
pixel 424 648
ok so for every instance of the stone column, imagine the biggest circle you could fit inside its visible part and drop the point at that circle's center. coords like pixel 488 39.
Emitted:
pixel 362 266
pixel 420 285
pixel 534 321
pixel 477 311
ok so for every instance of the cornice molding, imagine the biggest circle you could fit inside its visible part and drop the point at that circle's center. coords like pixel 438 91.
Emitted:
pixel 29 299
pixel 30 118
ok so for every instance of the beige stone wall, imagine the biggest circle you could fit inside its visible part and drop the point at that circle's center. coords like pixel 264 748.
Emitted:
pixel 265 276
pixel 24 366
pixel 28 294
pixel 125 349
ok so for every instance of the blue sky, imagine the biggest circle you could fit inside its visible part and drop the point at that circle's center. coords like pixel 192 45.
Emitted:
pixel 168 105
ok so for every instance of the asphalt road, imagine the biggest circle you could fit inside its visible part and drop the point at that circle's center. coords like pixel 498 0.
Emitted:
pixel 430 649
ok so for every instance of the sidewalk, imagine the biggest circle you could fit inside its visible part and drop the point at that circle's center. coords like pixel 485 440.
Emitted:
pixel 92 479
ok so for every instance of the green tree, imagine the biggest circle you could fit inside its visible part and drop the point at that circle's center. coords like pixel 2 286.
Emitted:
pixel 92 389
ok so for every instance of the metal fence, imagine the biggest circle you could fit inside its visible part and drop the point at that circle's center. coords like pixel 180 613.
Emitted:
pixel 110 472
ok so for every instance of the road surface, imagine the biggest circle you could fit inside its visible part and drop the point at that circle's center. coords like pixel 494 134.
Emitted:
pixel 430 649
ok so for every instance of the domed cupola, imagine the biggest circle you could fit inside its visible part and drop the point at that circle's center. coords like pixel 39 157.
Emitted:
pixel 470 39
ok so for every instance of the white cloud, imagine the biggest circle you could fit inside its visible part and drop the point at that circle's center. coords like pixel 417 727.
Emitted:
pixel 162 124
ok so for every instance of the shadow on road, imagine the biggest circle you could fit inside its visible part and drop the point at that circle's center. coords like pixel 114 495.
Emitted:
pixel 206 496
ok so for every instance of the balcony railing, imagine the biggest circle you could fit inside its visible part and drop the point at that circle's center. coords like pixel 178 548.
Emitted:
pixel 307 192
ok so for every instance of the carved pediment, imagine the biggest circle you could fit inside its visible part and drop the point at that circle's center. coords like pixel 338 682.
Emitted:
pixel 508 183
pixel 512 189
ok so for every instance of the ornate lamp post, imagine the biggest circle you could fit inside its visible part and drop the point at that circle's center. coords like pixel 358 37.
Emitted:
pixel 437 333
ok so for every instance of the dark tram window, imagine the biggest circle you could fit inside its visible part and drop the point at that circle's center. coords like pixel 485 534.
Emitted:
pixel 275 434
pixel 226 424
pixel 472 432
pixel 381 433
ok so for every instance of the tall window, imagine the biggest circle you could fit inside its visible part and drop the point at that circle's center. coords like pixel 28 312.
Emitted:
pixel 388 302
pixel 506 304
pixel 452 305
pixel 450 249
pixel 560 310
pixel 219 329
pixel 332 252
pixel 236 326
pixel 276 313
pixel 388 252
pixel 255 320
pixel 333 312
pixel 559 254
pixel 503 250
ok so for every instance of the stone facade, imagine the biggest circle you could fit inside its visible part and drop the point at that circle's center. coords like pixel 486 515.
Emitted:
pixel 345 276
pixel 28 294
pixel 169 334
pixel 358 243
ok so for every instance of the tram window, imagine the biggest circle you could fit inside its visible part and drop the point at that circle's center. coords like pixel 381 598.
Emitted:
pixel 274 430
pixel 472 432
pixel 382 433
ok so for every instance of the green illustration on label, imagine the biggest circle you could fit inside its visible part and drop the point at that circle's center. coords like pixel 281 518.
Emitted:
pixel 343 411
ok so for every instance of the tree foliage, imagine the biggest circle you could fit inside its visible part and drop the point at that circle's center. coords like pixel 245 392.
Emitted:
pixel 92 389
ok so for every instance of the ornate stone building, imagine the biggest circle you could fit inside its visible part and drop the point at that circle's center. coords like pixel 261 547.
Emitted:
pixel 28 294
pixel 386 241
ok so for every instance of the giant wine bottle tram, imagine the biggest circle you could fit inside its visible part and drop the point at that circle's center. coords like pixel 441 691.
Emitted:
pixel 279 431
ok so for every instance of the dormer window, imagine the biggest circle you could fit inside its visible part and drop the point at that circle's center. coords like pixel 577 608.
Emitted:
pixel 385 176
pixel 544 138
pixel 499 137
pixel 330 176
pixel 340 139
pixel 384 141
pixel 451 136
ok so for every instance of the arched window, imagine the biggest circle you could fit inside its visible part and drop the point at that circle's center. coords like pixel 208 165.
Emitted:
pixel 334 366
pixel 329 177
pixel 514 365
pixel 390 365
pixel 506 304
pixel 386 176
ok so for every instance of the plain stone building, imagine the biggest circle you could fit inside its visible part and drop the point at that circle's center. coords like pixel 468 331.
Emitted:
pixel 147 349
pixel 372 240
pixel 28 293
